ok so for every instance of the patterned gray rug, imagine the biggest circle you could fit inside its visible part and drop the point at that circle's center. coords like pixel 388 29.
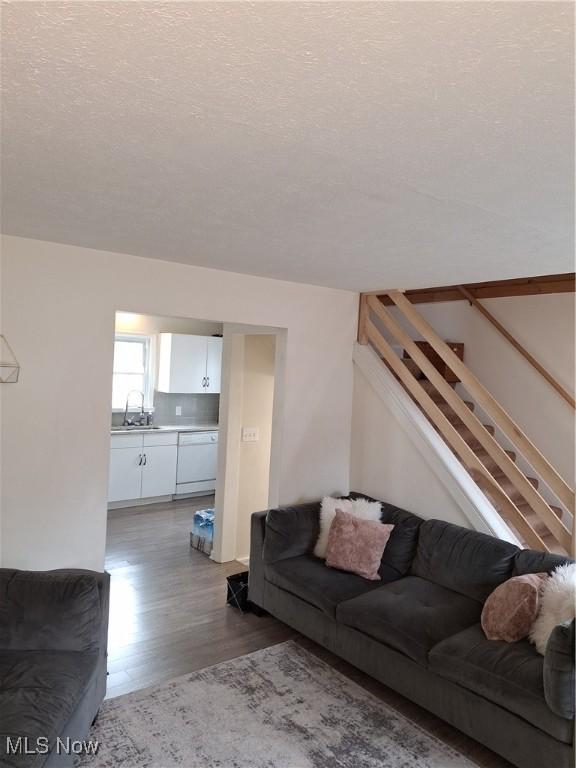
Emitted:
pixel 277 708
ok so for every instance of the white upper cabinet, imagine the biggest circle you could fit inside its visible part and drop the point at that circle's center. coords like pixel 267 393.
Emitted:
pixel 213 364
pixel 189 364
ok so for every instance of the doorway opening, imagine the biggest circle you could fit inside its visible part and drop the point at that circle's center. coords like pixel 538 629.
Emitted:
pixel 166 383
pixel 194 450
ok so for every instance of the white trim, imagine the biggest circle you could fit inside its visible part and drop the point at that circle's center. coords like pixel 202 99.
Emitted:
pixel 227 473
pixel 474 504
pixel 112 505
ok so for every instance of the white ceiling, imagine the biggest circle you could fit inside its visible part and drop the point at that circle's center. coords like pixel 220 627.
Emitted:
pixel 349 144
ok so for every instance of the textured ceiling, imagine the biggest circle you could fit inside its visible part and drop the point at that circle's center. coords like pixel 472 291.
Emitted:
pixel 350 144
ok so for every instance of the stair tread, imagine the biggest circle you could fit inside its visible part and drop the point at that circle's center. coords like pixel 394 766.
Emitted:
pixel 413 368
pixel 491 464
pixel 510 489
pixel 531 517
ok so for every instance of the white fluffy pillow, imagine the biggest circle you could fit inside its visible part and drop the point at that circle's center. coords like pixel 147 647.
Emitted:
pixel 367 510
pixel 557 605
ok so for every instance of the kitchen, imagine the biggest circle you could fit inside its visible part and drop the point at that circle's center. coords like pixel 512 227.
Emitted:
pixel 165 411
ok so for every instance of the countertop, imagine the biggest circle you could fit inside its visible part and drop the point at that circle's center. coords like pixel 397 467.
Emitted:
pixel 166 428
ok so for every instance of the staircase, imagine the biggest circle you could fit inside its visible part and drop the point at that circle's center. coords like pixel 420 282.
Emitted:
pixel 503 482
pixel 429 372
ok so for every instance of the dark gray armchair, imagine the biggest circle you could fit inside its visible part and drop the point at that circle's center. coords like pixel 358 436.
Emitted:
pixel 53 649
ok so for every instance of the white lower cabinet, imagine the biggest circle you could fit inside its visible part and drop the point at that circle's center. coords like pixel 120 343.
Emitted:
pixel 142 466
pixel 159 470
pixel 125 478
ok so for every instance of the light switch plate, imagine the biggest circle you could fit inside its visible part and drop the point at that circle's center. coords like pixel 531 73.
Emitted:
pixel 178 410
pixel 250 434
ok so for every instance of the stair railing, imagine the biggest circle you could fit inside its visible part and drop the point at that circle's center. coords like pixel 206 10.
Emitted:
pixel 516 344
pixel 368 333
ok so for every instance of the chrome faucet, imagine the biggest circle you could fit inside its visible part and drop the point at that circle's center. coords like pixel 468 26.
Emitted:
pixel 130 422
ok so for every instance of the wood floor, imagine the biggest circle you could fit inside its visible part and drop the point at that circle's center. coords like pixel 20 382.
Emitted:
pixel 168 615
pixel 168 612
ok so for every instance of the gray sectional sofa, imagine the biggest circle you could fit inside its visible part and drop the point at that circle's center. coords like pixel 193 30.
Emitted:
pixel 418 629
pixel 53 648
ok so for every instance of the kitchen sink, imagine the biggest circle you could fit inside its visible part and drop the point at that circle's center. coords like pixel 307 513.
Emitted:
pixel 134 428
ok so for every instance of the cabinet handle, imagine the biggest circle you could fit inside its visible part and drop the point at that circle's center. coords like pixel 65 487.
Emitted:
pixel 204 381
pixel 208 381
pixel 140 460
pixel 145 459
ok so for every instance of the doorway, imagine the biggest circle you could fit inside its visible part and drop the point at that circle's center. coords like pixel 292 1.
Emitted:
pixel 166 384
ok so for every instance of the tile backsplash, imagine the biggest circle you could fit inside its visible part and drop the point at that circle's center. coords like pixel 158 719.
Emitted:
pixel 202 408
pixel 196 409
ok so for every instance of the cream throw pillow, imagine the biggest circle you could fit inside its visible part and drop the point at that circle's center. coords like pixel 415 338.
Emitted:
pixel 362 508
pixel 557 605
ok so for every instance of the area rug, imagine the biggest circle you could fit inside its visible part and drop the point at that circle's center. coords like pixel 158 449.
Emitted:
pixel 277 708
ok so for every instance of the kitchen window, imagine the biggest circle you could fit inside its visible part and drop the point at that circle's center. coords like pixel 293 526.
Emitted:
pixel 132 371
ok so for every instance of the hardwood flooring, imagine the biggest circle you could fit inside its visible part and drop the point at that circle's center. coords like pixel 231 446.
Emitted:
pixel 168 615
pixel 168 612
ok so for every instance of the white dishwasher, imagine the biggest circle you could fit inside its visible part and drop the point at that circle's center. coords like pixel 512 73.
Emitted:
pixel 197 459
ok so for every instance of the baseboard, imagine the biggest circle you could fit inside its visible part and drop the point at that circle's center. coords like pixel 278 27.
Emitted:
pixel 139 502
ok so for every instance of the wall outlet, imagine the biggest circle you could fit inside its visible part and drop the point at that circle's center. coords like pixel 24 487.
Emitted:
pixel 178 410
pixel 250 434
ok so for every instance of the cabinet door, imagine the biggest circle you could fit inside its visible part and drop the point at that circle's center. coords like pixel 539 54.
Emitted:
pixel 214 364
pixel 125 478
pixel 182 363
pixel 159 470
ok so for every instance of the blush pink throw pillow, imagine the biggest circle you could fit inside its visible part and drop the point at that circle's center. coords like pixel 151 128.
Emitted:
pixel 512 608
pixel 357 545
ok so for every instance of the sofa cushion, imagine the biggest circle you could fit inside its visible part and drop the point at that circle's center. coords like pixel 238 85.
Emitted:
pixel 39 692
pixel 411 615
pixel 291 531
pixel 310 579
pixel 509 674
pixel 559 673
pixel 401 547
pixel 465 561
pixel 356 545
pixel 49 610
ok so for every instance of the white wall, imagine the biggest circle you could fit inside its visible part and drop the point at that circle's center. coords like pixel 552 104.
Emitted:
pixel 386 463
pixel 257 410
pixel 58 310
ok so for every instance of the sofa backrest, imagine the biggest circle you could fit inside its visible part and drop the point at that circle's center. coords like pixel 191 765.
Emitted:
pixel 62 610
pixel 401 547
pixel 468 562
pixel 530 561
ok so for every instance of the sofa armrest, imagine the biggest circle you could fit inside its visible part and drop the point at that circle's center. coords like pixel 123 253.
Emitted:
pixel 559 678
pixel 256 571
pixel 103 583
pixel 291 531
pixel 62 610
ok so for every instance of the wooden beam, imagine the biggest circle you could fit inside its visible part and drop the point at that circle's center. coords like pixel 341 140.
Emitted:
pixel 472 463
pixel 495 289
pixel 362 318
pixel 516 344
pixel 492 407
pixel 490 445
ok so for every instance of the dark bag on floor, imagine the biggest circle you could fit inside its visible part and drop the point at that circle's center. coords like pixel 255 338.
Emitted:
pixel 238 591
